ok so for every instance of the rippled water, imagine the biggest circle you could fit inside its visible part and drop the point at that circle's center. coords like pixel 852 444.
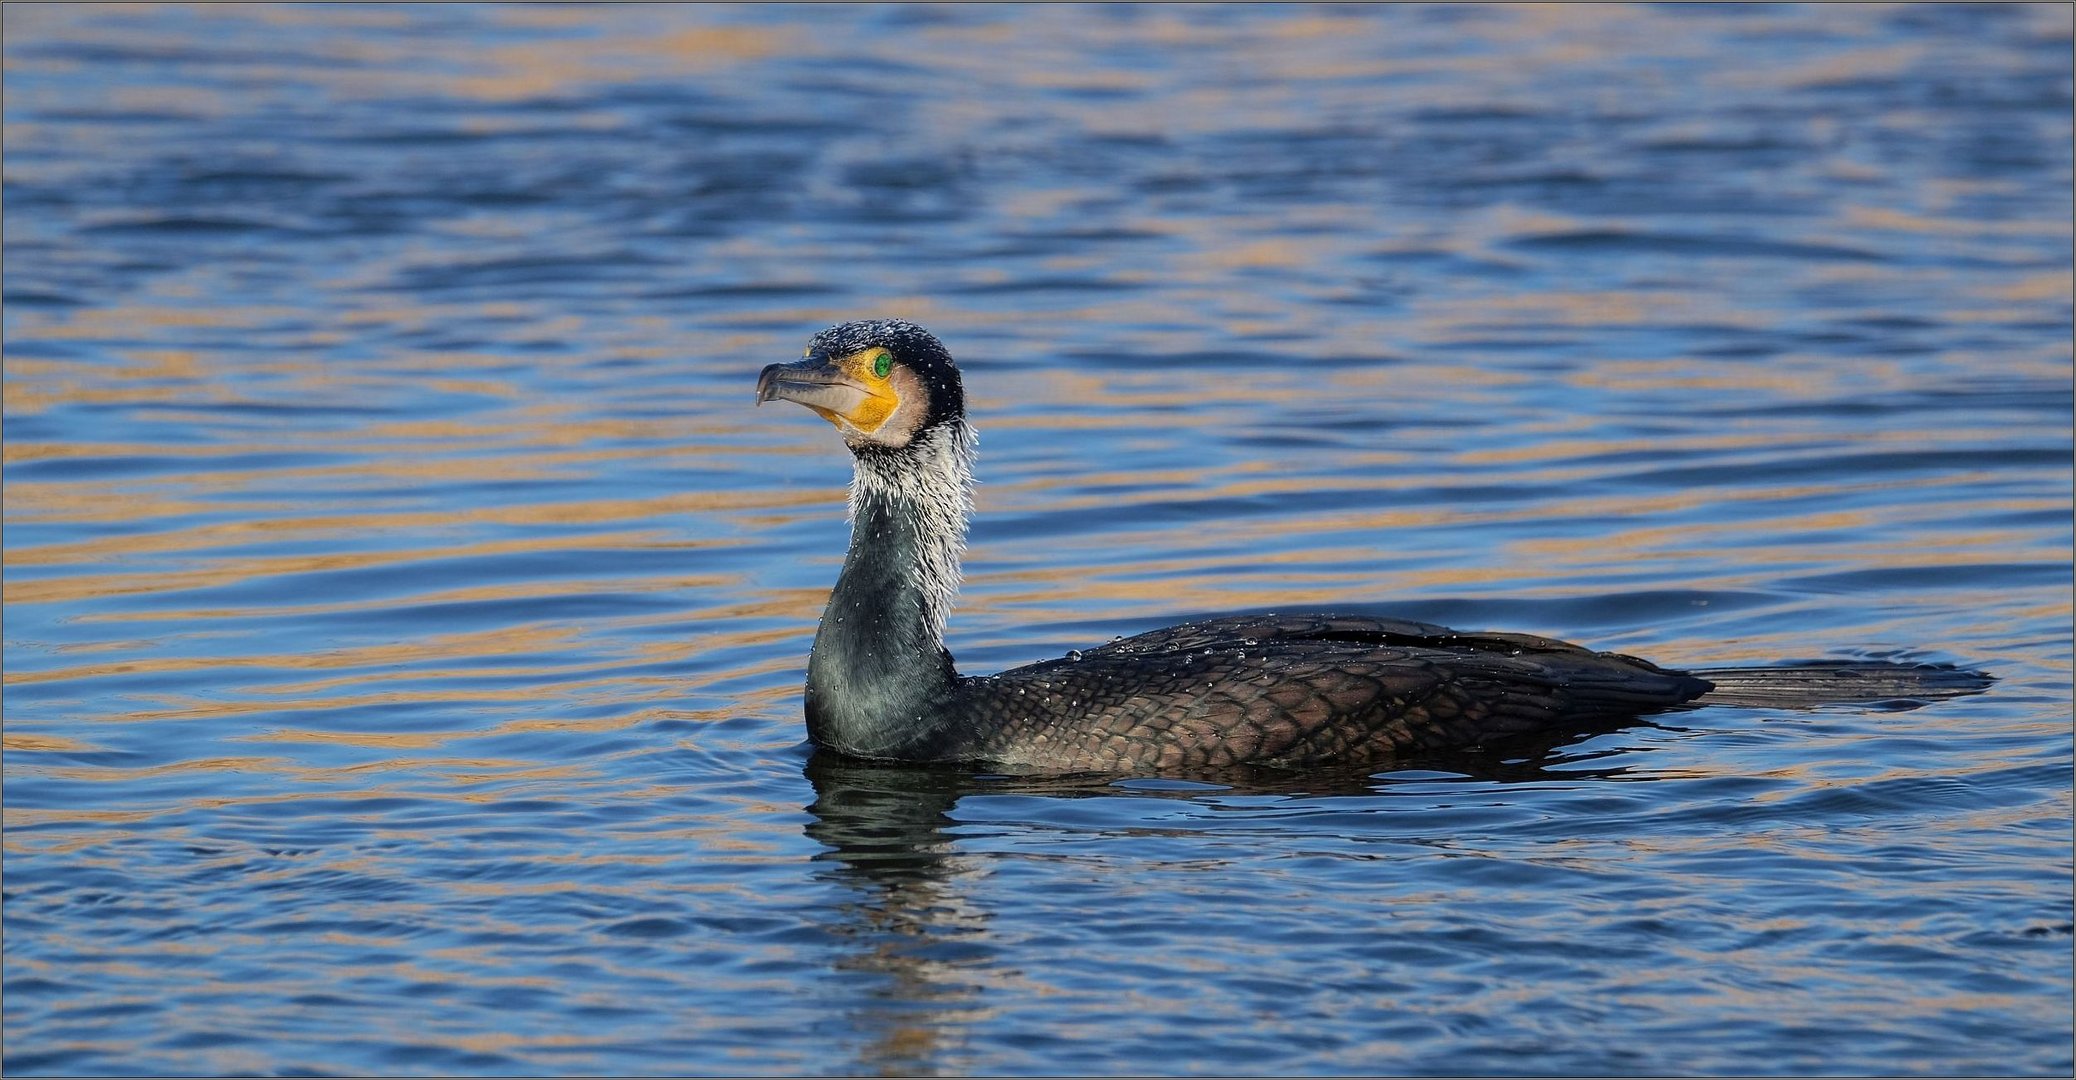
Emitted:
pixel 406 610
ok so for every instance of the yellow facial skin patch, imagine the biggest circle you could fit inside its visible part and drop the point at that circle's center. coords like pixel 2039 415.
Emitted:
pixel 865 370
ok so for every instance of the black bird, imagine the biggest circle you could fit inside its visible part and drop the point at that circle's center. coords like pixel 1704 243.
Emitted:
pixel 1275 690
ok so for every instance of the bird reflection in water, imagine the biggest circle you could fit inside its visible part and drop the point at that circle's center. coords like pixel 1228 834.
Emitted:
pixel 893 841
pixel 886 831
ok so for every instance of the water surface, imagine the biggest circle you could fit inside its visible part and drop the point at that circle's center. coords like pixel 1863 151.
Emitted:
pixel 406 610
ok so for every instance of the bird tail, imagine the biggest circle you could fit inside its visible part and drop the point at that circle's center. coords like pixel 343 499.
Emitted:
pixel 1848 682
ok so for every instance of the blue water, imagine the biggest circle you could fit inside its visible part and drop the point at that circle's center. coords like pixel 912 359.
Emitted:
pixel 406 609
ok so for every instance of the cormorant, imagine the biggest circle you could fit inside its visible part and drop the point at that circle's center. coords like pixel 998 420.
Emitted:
pixel 1275 690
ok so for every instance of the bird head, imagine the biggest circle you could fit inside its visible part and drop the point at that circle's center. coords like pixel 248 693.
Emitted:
pixel 882 382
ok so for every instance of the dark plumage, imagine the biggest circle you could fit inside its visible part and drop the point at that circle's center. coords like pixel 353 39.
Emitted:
pixel 1247 690
pixel 1296 690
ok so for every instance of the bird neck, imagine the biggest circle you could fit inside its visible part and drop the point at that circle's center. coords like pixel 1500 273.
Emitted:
pixel 879 662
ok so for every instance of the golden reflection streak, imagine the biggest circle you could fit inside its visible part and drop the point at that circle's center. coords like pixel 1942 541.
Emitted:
pixel 226 533
pixel 13 818
pixel 628 689
pixel 1893 219
pixel 396 467
pixel 626 44
pixel 177 580
pixel 92 586
pixel 2052 285
pixel 474 594
pixel 693 646
pixel 454 770
pixel 175 768
pixel 567 65
pixel 625 690
pixel 773 603
pixel 663 690
pixel 1209 582
pixel 26 742
pixel 533 427
pixel 504 641
pixel 1558 480
pixel 428 740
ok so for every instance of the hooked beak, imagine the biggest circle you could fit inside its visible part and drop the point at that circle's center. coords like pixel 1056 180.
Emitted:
pixel 818 383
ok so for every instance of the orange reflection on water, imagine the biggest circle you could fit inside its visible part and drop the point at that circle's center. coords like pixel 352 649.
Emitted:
pixel 90 586
pixel 24 741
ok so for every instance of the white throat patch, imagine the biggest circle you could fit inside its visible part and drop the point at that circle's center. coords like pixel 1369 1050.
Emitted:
pixel 931 479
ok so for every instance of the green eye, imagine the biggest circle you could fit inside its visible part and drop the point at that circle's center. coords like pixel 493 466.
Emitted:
pixel 882 364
